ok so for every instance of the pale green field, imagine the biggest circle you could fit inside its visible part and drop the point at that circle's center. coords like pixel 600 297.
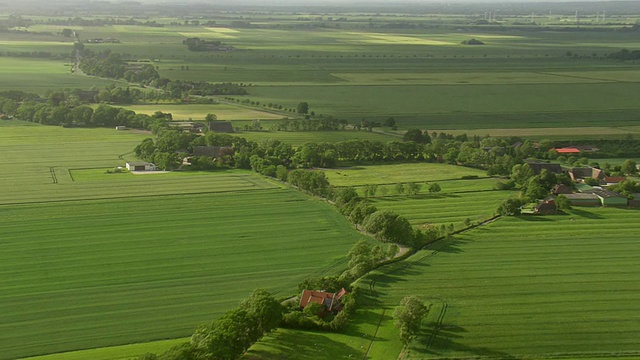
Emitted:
pixel 394 173
pixel 200 111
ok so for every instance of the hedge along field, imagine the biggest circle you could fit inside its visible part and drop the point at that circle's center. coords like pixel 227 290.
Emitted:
pixel 534 287
pixel 88 274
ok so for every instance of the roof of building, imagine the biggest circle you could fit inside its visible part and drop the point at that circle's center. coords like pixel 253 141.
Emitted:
pixel 586 172
pixel 537 167
pixel 607 193
pixel 329 300
pixel 138 163
pixel 561 189
pixel 582 196
pixel 570 150
pixel 614 179
pixel 221 126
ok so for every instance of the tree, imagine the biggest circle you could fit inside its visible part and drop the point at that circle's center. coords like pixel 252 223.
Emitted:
pixel 303 108
pixel 434 188
pixel 265 309
pixel 390 122
pixel 413 188
pixel 399 188
pixel 629 167
pixel 408 317
pixel 414 135
pixel 67 32
pixel 211 117
pixel 510 207
pixel 563 203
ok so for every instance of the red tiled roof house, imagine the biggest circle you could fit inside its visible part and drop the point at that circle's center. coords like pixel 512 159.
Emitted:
pixel 331 301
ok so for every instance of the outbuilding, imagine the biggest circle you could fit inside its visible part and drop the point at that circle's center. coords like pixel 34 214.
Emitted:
pixel 141 166
pixel 582 199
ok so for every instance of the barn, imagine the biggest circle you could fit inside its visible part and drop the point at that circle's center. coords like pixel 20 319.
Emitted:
pixel 141 166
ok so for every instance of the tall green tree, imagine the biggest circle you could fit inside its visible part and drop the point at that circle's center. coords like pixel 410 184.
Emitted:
pixel 408 318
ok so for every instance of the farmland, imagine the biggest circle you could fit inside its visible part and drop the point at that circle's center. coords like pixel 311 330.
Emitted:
pixel 493 291
pixel 109 266
pixel 108 272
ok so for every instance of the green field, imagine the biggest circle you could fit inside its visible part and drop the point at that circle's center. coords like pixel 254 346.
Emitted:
pixel 88 274
pixel 532 286
pixel 522 287
pixel 394 173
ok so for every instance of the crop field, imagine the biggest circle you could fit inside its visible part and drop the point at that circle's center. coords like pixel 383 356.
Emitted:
pixel 301 137
pixel 121 352
pixel 199 111
pixel 527 286
pixel 39 76
pixel 109 272
pixel 394 173
pixel 521 287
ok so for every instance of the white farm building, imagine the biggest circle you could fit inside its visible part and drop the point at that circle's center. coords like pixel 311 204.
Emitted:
pixel 141 166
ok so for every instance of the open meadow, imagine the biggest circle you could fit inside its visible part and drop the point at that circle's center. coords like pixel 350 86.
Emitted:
pixel 90 259
pixel 522 287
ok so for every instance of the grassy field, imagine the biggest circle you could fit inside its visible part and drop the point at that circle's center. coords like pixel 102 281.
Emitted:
pixel 90 259
pixel 88 274
pixel 199 111
pixel 40 76
pixel 394 173
pixel 521 287
pixel 122 352
pixel 533 286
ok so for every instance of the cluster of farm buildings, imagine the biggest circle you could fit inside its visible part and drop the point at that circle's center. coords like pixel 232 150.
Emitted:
pixel 584 194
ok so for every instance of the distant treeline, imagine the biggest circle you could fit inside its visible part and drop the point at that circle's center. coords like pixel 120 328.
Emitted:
pixel 625 55
pixel 114 65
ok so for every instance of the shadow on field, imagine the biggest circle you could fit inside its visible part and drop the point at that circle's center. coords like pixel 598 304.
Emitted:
pixel 585 214
pixel 302 345
pixel 534 218
pixel 380 283
pixel 451 246
pixel 445 339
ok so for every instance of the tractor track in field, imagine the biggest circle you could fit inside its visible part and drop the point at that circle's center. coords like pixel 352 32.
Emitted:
pixel 373 339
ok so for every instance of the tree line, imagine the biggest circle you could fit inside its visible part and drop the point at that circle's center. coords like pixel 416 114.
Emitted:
pixel 116 66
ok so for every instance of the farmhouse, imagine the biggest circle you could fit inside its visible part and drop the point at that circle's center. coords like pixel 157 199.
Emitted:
pixel 537 167
pixel 331 301
pixel 583 199
pixel 141 166
pixel 561 189
pixel 221 126
pixel 612 180
pixel 546 207
pixel 578 174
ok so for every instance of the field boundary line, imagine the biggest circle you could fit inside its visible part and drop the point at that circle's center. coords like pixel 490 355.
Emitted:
pixel 373 339
pixel 136 196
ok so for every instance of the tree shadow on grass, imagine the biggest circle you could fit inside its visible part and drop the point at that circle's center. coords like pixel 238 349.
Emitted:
pixel 450 246
pixel 445 339
pixel 585 214
pixel 302 345
pixel 534 218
